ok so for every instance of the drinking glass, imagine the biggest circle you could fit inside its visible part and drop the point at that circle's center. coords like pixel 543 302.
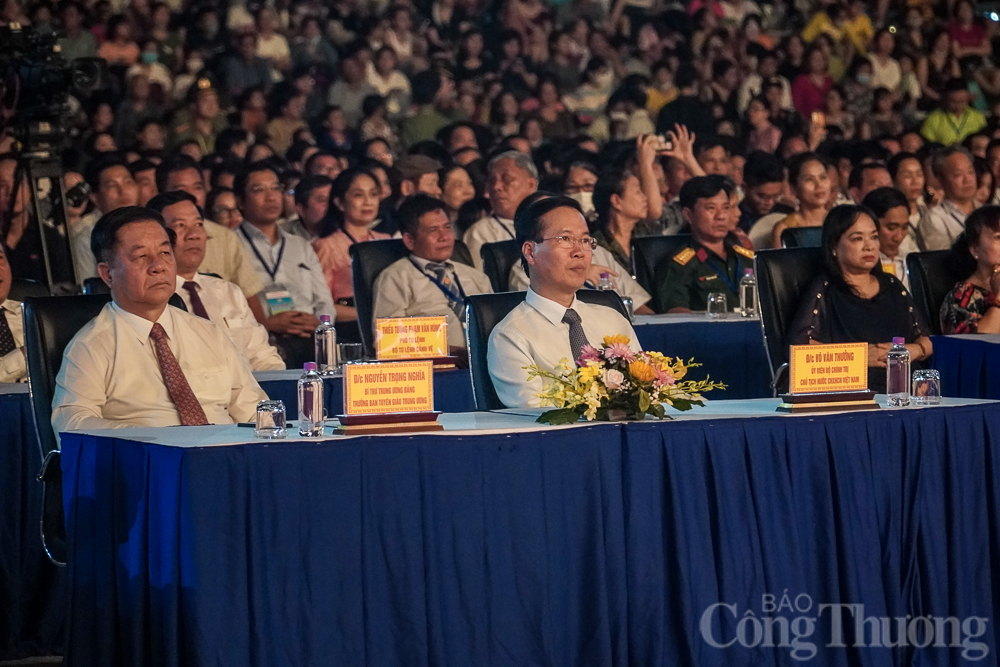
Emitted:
pixel 270 420
pixel 349 352
pixel 717 306
pixel 927 387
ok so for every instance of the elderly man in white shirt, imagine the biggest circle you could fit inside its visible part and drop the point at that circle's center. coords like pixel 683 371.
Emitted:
pixel 512 177
pixel 208 296
pixel 12 367
pixel 552 325
pixel 942 225
pixel 141 362
pixel 426 282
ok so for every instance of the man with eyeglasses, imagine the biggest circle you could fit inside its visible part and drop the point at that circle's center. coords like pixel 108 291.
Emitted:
pixel 426 283
pixel 295 291
pixel 713 261
pixel 551 325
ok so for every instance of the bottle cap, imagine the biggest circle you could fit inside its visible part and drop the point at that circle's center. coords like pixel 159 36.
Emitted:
pixel 325 319
pixel 898 341
pixel 310 366
pixel 605 276
pixel 748 272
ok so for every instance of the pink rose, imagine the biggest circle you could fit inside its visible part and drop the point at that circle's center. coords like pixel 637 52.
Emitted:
pixel 613 379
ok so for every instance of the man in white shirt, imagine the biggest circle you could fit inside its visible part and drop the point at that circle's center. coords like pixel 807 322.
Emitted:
pixel 207 296
pixel 942 225
pixel 225 255
pixel 12 366
pixel 295 292
pixel 552 325
pixel 111 187
pixel 141 362
pixel 426 282
pixel 512 177
pixel 893 212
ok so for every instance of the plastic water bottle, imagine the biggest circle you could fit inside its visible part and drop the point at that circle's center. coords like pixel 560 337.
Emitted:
pixel 326 346
pixel 605 284
pixel 311 413
pixel 748 294
pixel 898 374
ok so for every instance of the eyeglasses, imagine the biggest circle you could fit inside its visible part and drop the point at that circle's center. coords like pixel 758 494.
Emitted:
pixel 226 211
pixel 258 189
pixel 571 242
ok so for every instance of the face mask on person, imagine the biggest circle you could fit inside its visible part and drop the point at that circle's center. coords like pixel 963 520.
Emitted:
pixel 150 58
pixel 585 200
pixel 618 117
pixel 864 79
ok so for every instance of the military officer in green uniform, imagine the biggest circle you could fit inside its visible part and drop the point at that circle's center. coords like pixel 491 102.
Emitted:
pixel 202 120
pixel 712 261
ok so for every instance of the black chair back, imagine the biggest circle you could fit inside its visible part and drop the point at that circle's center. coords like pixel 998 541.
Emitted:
pixel 22 288
pixel 484 312
pixel 802 237
pixel 648 254
pixel 368 260
pixel 498 259
pixel 930 281
pixel 95 286
pixel 50 322
pixel 783 275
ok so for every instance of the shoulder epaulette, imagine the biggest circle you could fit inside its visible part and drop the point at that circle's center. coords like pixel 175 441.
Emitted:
pixel 743 251
pixel 684 256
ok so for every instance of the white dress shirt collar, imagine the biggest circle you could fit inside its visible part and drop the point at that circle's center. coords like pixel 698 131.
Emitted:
pixel 11 306
pixel 141 326
pixel 548 308
pixel 422 263
pixel 181 280
pixel 257 235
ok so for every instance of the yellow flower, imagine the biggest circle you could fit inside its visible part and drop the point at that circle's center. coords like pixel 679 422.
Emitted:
pixel 641 371
pixel 617 338
pixel 588 373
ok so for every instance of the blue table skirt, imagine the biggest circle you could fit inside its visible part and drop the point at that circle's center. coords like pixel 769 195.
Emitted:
pixel 969 368
pixel 603 545
pixel 33 592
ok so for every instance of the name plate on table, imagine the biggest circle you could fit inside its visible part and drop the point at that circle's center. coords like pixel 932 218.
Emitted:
pixel 399 338
pixel 388 397
pixel 828 377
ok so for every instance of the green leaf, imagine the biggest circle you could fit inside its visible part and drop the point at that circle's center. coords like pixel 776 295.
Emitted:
pixel 559 417
pixel 684 404
pixel 657 411
pixel 644 401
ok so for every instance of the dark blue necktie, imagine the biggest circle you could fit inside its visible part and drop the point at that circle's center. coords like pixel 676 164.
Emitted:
pixel 577 338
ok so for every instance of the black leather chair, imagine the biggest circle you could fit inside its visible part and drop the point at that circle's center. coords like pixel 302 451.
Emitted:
pixel 648 254
pixel 802 237
pixel 930 281
pixel 49 325
pixel 50 322
pixel 783 275
pixel 498 259
pixel 369 259
pixel 484 312
pixel 22 288
pixel 95 286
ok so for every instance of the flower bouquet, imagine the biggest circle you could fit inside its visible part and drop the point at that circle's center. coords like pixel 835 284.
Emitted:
pixel 614 383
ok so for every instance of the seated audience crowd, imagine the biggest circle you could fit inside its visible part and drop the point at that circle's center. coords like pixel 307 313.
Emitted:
pixel 509 145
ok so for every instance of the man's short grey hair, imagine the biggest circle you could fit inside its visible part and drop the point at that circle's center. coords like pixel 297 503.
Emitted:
pixel 937 162
pixel 520 159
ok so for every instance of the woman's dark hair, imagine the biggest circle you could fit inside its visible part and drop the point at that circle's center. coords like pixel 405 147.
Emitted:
pixel 610 182
pixel 334 218
pixel 472 212
pixel 798 163
pixel 371 104
pixel 836 224
pixel 496 108
pixel 897 161
pixel 213 196
pixel 982 220
pixel 856 65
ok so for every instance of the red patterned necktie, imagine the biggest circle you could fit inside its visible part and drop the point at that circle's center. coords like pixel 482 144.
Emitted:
pixel 188 407
pixel 196 305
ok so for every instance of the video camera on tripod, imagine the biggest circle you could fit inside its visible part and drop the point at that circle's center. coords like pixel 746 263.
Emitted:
pixel 35 85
